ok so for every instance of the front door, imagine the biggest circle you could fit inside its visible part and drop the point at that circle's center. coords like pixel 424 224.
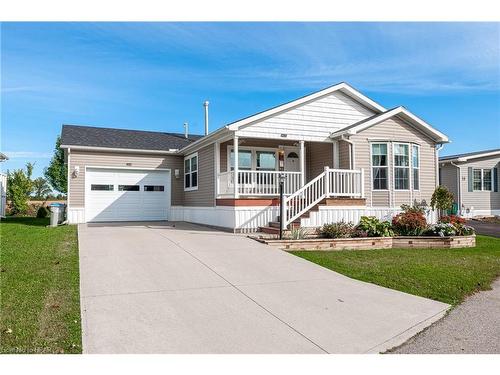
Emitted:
pixel 292 159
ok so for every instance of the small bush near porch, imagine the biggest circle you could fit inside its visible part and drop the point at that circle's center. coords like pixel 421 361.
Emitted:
pixel 39 278
pixel 446 275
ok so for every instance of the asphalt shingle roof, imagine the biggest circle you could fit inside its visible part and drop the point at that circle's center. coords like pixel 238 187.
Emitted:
pixel 468 154
pixel 77 135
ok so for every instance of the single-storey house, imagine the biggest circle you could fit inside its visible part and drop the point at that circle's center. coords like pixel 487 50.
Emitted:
pixel 339 154
pixel 473 179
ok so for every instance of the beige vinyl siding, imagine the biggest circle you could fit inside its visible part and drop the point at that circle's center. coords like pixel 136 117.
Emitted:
pixel 396 130
pixel 480 200
pixel 313 121
pixel 204 196
pixel 318 156
pixel 113 159
pixel 344 155
pixel 449 178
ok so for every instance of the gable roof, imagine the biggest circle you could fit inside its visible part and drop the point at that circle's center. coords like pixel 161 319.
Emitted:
pixel 470 155
pixel 77 136
pixel 342 87
pixel 3 157
pixel 401 112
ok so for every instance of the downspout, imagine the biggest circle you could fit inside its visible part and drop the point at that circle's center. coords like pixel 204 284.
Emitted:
pixel 459 189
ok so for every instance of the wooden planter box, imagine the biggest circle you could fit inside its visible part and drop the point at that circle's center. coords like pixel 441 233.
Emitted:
pixel 372 243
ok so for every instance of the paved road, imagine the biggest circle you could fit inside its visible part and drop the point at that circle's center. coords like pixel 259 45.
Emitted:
pixel 160 289
pixel 472 327
pixel 488 229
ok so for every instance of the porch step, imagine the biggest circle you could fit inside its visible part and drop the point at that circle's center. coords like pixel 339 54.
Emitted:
pixel 276 224
pixel 272 230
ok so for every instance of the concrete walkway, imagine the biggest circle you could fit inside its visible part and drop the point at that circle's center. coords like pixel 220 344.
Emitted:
pixel 472 327
pixel 155 288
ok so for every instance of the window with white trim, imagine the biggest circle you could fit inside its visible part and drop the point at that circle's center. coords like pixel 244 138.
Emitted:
pixel 191 172
pixel 244 160
pixel 379 166
pixel 401 166
pixel 482 180
pixel 415 165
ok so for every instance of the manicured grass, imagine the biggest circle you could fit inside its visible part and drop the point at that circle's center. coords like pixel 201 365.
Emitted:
pixel 446 275
pixel 39 280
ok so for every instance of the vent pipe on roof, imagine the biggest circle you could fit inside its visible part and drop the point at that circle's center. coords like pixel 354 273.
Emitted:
pixel 186 130
pixel 206 116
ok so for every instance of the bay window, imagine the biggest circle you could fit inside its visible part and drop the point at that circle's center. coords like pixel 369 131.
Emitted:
pixel 379 166
pixel 401 166
pixel 415 164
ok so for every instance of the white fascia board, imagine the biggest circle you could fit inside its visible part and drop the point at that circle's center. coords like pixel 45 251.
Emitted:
pixel 437 135
pixel 462 159
pixel 345 88
pixel 127 150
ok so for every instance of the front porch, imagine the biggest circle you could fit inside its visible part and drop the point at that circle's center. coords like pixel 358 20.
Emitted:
pixel 250 168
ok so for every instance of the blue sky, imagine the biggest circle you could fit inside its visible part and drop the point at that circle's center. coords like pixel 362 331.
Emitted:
pixel 155 76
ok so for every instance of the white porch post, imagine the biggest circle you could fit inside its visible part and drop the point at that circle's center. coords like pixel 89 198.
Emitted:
pixel 302 165
pixel 236 164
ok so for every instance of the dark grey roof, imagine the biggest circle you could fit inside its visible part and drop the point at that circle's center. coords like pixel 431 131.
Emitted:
pixel 77 135
pixel 468 154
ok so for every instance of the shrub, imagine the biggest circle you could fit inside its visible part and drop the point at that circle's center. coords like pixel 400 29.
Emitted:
pixel 414 209
pixel 297 234
pixel 19 187
pixel 452 219
pixel 42 212
pixel 337 230
pixel 442 199
pixel 374 227
pixel 442 230
pixel 409 223
pixel 464 230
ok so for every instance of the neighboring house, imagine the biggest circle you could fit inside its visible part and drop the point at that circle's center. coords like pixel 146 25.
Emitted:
pixel 3 188
pixel 342 155
pixel 473 179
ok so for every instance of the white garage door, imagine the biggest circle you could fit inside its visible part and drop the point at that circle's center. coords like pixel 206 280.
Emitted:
pixel 127 195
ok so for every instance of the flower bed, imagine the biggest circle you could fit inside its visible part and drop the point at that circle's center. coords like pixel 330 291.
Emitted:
pixel 408 229
pixel 372 243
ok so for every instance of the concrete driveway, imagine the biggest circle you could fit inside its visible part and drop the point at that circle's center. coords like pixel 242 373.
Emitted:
pixel 156 288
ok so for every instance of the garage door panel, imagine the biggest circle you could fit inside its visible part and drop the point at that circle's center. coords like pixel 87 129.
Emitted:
pixel 110 200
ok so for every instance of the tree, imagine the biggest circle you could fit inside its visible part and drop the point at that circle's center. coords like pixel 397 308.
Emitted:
pixel 442 199
pixel 57 172
pixel 19 188
pixel 41 188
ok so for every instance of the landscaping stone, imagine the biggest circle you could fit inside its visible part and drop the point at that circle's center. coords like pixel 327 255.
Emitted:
pixel 372 243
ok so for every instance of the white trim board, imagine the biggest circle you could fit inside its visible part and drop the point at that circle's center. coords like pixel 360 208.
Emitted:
pixel 404 114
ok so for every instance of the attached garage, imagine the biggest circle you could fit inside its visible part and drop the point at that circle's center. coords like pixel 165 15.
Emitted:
pixel 127 194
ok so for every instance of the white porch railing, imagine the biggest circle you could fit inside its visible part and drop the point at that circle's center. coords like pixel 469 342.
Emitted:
pixel 258 183
pixel 330 183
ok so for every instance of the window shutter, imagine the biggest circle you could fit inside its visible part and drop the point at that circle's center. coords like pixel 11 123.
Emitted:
pixel 470 178
pixel 495 179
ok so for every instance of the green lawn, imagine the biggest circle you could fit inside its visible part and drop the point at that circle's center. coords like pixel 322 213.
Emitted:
pixel 39 283
pixel 440 274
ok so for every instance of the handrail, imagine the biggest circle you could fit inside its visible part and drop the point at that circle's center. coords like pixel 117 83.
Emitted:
pixel 331 182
